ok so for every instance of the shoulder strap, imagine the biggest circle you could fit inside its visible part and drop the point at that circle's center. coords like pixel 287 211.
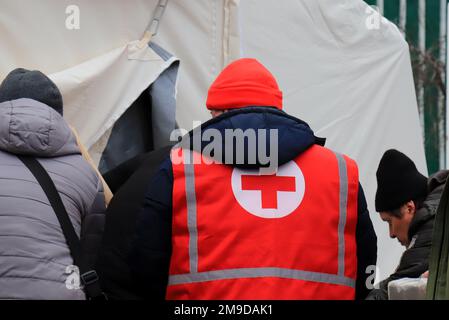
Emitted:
pixel 88 276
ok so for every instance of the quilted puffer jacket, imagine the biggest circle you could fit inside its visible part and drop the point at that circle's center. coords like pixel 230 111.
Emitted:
pixel 35 261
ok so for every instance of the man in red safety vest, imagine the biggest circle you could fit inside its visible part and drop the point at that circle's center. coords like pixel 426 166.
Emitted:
pixel 251 205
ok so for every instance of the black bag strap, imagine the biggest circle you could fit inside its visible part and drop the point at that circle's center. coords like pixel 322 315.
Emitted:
pixel 89 277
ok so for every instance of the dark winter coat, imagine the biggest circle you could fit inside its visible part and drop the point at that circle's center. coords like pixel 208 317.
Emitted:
pixel 112 265
pixel 415 260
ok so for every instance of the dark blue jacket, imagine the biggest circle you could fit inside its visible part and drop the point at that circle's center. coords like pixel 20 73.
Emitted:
pixel 151 252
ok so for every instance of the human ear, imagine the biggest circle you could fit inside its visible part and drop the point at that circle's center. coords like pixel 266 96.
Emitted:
pixel 410 207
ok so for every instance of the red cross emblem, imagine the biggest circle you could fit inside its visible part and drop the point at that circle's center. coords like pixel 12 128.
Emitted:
pixel 269 185
pixel 269 196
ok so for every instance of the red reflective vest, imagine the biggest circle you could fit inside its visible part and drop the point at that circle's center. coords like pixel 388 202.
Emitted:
pixel 238 235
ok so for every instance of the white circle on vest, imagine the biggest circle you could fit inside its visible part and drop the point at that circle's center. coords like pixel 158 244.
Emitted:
pixel 269 196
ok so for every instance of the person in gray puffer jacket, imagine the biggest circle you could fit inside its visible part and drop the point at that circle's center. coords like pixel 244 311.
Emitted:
pixel 35 261
pixel 408 201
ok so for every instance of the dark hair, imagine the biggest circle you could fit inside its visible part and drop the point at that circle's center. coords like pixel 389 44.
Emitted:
pixel 419 203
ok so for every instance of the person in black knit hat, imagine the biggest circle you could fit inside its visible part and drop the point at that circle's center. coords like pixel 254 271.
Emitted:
pixel 407 201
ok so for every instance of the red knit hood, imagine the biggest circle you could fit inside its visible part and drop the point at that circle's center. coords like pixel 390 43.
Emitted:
pixel 245 82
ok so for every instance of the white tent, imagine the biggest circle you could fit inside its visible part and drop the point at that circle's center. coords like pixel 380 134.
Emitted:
pixel 349 78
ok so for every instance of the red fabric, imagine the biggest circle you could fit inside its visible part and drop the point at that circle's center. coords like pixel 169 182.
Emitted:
pixel 243 83
pixel 229 237
pixel 259 289
pixel 269 186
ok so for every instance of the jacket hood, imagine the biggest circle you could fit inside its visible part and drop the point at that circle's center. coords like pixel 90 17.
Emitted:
pixel 430 206
pixel 29 127
pixel 293 136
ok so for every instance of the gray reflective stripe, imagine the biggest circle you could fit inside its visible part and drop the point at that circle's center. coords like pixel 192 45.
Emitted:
pixel 195 276
pixel 191 209
pixel 342 172
pixel 229 274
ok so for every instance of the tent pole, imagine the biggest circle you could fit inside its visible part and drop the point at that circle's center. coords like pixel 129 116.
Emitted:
pixel 447 87
pixel 441 102
pixel 422 49
pixel 380 5
pixel 403 16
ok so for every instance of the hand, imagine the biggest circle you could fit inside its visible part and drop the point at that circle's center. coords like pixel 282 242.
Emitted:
pixel 425 275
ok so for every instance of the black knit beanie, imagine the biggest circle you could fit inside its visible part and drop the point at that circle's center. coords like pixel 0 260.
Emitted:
pixel 22 83
pixel 398 181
